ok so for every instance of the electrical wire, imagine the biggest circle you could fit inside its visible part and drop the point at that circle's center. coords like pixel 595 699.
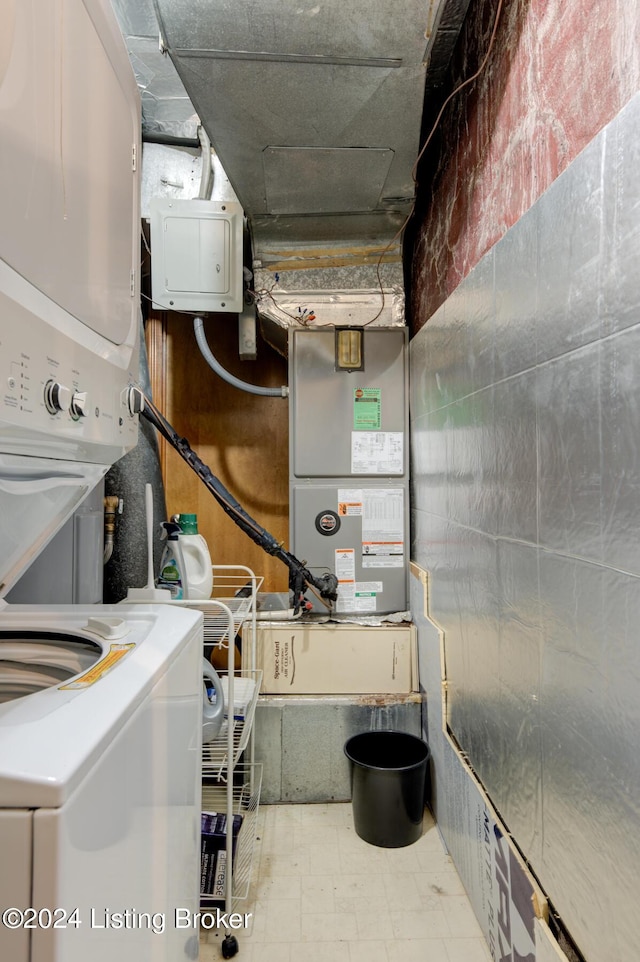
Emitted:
pixel 465 83
pixel 434 127
pixel 144 240
pixel 267 293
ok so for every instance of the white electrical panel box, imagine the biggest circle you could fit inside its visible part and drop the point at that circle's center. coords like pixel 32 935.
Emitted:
pixel 196 255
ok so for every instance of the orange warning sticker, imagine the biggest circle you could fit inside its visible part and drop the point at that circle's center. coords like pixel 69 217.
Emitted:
pixel 349 507
pixel 90 677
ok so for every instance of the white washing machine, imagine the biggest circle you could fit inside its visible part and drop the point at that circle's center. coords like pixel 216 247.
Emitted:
pixel 100 741
pixel 100 707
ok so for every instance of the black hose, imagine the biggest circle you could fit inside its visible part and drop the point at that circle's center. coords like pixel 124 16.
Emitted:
pixel 299 575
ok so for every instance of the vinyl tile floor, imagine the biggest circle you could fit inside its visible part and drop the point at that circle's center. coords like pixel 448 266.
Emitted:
pixel 319 893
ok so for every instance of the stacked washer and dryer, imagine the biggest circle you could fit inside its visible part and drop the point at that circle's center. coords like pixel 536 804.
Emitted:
pixel 100 707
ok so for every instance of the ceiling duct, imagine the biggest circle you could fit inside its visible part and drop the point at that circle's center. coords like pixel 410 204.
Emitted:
pixel 314 109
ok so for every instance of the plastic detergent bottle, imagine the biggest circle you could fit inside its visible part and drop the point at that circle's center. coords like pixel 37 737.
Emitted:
pixel 197 574
pixel 172 564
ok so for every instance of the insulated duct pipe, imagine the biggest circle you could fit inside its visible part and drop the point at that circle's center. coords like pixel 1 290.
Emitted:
pixel 169 140
pixel 214 364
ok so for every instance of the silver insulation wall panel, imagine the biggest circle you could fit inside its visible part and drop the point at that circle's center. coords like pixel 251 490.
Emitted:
pixel 508 904
pixel 525 406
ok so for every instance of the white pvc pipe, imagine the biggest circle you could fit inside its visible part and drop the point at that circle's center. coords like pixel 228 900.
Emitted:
pixel 206 179
pixel 214 364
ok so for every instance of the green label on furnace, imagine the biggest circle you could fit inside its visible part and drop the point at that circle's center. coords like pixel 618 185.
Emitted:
pixel 367 405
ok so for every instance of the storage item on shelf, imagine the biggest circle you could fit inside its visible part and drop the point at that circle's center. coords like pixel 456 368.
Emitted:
pixel 216 753
pixel 246 784
pixel 185 567
pixel 213 708
pixel 243 691
pixel 213 852
pixel 171 575
pixel 198 573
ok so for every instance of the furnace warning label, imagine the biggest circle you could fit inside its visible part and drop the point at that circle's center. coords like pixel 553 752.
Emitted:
pixel 345 564
pixel 377 452
pixel 345 568
pixel 349 502
pixel 383 528
pixel 361 596
pixel 367 409
pixel 353 595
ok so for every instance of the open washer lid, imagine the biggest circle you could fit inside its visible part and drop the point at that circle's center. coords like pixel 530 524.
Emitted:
pixel 52 739
pixel 37 495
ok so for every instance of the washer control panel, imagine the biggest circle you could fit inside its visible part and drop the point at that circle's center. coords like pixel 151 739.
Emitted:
pixel 63 388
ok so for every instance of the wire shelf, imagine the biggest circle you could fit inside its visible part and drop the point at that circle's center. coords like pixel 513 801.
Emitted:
pixel 232 604
pixel 247 782
pixel 229 787
pixel 246 688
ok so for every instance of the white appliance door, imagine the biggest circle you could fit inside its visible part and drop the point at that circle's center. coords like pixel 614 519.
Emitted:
pixel 36 498
pixel 69 135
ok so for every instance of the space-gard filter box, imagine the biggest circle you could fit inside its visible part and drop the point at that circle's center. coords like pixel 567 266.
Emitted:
pixel 337 659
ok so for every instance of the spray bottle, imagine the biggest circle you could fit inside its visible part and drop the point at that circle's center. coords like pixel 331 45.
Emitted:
pixel 196 560
pixel 172 568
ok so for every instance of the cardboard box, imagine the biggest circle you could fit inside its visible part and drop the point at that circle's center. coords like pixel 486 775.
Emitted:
pixel 336 659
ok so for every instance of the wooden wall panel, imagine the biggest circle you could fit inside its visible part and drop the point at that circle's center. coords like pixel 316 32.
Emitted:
pixel 241 437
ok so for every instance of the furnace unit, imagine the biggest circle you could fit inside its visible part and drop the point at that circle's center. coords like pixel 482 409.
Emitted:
pixel 349 462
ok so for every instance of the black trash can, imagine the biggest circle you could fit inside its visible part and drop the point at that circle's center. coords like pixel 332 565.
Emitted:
pixel 388 776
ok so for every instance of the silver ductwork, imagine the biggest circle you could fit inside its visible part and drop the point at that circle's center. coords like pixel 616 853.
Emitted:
pixel 314 112
pixel 313 108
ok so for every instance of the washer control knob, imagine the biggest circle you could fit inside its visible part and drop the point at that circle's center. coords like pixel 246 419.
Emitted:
pixel 78 405
pixel 56 397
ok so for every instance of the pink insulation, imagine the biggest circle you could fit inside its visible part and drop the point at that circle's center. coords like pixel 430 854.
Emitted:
pixel 558 72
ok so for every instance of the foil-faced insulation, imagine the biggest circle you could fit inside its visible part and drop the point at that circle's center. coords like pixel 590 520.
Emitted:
pixel 369 295
pixel 166 107
pixel 525 403
pixel 176 172
pixel 349 308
